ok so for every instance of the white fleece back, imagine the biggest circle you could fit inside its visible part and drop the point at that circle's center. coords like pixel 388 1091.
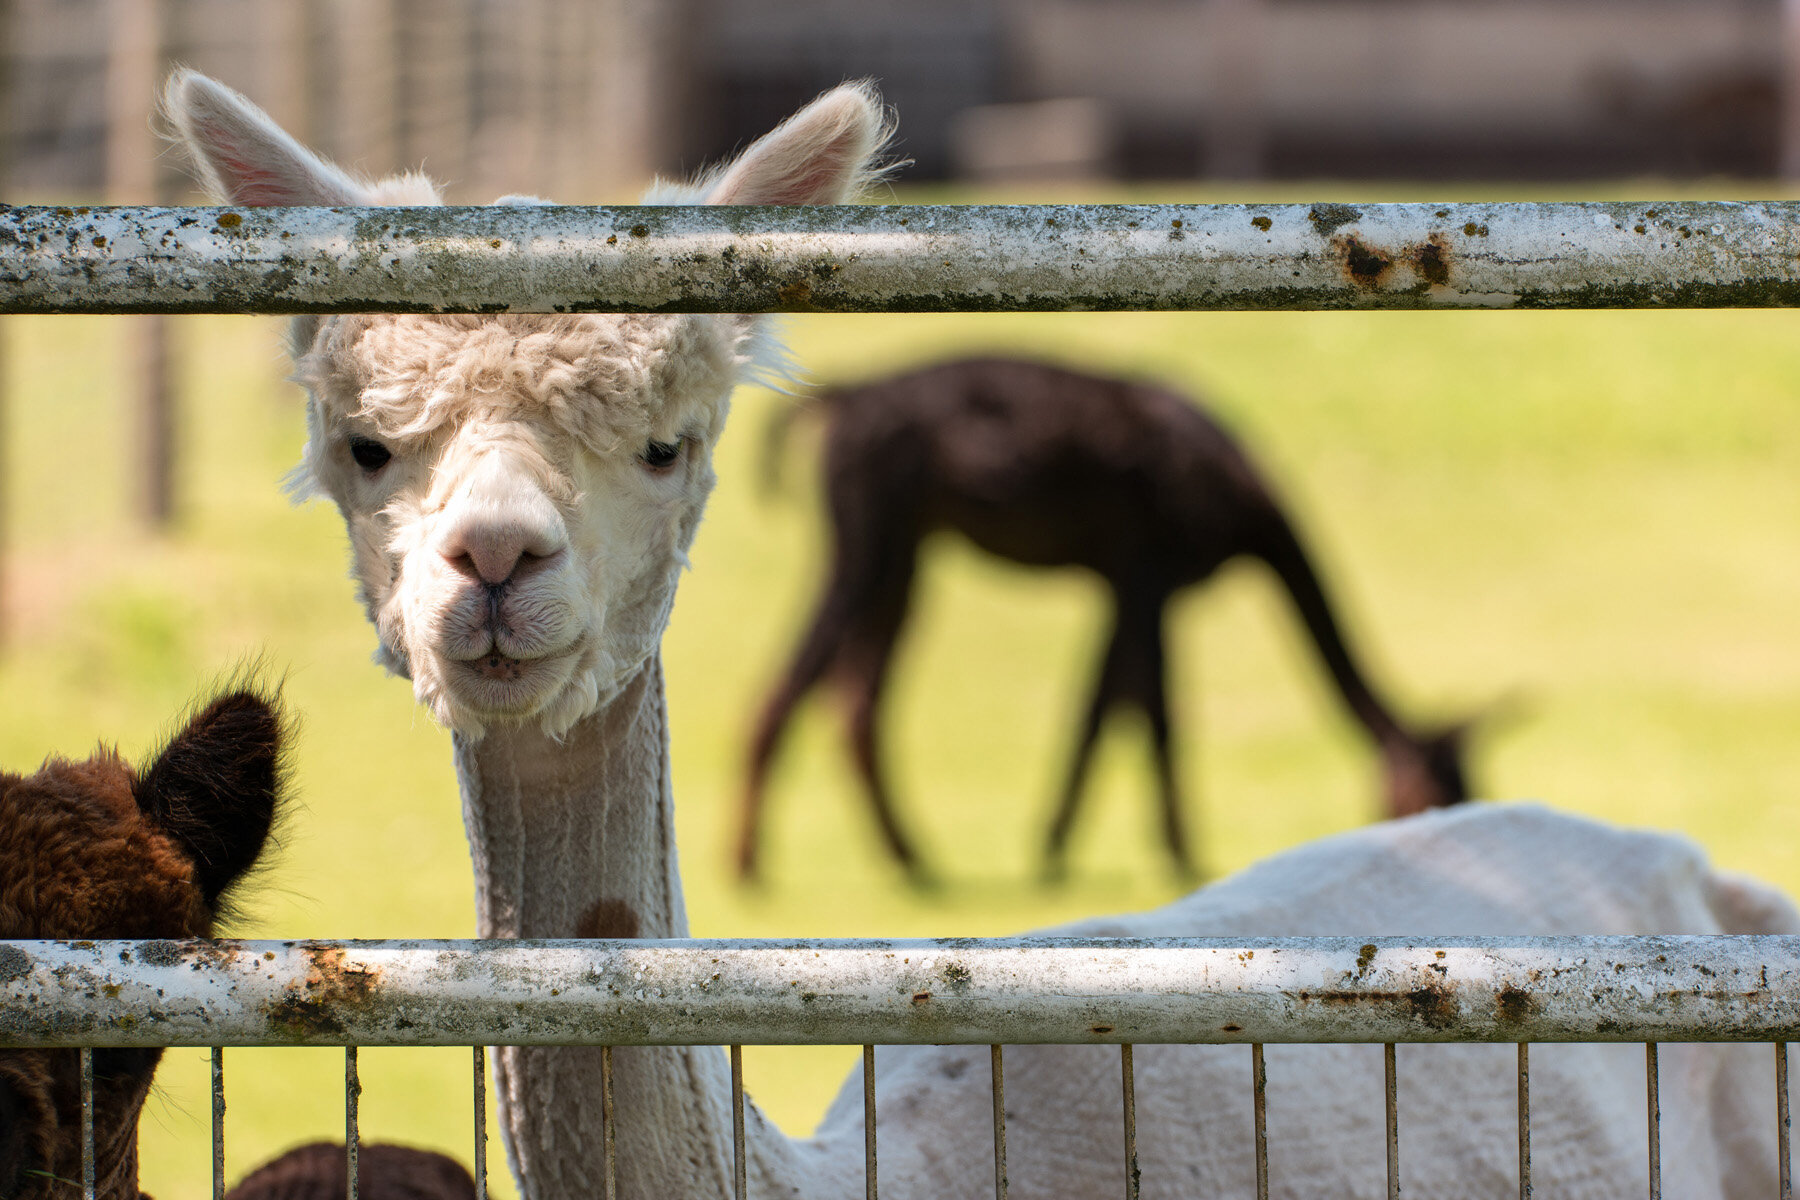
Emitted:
pixel 1489 869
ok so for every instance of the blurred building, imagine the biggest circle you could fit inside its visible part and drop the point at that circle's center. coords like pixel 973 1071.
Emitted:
pixel 584 99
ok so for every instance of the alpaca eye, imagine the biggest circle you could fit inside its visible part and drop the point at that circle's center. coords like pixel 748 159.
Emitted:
pixel 369 454
pixel 658 455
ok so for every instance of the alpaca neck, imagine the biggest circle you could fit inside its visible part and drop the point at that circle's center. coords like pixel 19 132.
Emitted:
pixel 576 838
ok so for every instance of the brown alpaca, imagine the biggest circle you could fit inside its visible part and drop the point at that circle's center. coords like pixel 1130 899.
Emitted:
pixel 383 1172
pixel 95 849
pixel 1051 467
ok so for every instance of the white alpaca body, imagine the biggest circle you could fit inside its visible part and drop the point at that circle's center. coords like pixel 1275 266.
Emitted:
pixel 1515 870
pixel 520 494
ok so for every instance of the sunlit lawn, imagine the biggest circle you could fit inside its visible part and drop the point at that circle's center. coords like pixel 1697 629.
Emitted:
pixel 1589 520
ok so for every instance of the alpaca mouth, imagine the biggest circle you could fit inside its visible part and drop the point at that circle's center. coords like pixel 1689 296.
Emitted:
pixel 499 667
pixel 499 684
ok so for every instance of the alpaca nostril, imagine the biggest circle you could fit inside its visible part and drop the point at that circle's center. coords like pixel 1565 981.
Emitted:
pixel 495 555
pixel 480 560
pixel 533 561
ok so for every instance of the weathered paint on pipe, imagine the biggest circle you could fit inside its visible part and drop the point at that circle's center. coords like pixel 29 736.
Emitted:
pixel 894 258
pixel 845 992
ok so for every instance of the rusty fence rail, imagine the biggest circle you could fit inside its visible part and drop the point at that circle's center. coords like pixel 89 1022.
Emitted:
pixel 973 991
pixel 900 258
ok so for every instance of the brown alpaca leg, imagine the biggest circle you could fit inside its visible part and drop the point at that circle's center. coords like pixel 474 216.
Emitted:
pixel 1149 687
pixel 819 649
pixel 1105 694
pixel 864 675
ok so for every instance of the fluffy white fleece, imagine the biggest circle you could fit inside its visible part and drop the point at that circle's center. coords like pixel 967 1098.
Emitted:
pixel 1480 869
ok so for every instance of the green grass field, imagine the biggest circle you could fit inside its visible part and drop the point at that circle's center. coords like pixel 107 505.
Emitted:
pixel 1587 518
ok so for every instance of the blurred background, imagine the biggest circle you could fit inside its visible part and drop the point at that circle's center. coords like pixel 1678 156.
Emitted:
pixel 1588 519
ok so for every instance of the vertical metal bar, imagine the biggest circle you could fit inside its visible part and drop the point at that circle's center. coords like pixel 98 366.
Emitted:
pixel 1393 1123
pixel 610 1145
pixel 1783 1125
pixel 1524 1121
pixel 1653 1101
pixel 479 1091
pixel 739 1177
pixel 999 1071
pixel 352 1094
pixel 1128 1082
pixel 1259 1091
pixel 869 1174
pixel 87 1123
pixel 218 1122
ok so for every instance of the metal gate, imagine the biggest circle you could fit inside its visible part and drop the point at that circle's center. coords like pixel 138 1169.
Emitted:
pixel 992 992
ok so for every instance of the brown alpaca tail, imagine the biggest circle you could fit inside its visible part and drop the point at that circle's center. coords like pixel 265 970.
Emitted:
pixel 778 432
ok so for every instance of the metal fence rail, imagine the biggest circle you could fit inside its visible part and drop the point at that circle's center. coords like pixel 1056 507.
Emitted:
pixel 913 258
pixel 979 991
pixel 970 991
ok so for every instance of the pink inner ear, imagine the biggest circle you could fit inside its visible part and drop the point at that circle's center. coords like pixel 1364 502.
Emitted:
pixel 254 185
pixel 821 178
pixel 250 183
pixel 807 188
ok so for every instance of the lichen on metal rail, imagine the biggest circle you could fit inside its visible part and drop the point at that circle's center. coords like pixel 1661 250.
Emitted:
pixel 899 258
pixel 972 991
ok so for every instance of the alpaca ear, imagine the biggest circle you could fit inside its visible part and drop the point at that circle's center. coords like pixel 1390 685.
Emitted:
pixel 823 154
pixel 214 788
pixel 243 156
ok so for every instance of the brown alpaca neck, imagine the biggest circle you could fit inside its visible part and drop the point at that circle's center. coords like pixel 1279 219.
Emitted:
pixel 575 838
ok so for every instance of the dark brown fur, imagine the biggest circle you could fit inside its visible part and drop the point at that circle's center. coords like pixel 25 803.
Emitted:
pixel 1051 467
pixel 95 850
pixel 383 1172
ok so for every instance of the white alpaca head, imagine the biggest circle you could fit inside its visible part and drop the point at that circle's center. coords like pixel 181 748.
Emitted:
pixel 520 491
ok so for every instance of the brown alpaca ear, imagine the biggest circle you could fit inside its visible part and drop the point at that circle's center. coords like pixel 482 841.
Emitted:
pixel 214 788
pixel 243 156
pixel 823 154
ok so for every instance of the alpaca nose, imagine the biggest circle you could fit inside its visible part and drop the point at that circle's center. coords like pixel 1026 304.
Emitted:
pixel 494 552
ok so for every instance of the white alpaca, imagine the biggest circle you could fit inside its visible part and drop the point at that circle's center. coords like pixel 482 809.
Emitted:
pixel 520 492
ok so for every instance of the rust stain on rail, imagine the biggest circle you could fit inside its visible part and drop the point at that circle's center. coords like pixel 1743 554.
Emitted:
pixel 331 982
pixel 1433 1005
pixel 1371 267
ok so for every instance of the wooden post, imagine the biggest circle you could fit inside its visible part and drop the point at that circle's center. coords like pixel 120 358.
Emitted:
pixel 368 92
pixel 1789 165
pixel 284 60
pixel 1235 113
pixel 134 71
pixel 439 102
pixel 535 78
pixel 628 88
pixel 8 28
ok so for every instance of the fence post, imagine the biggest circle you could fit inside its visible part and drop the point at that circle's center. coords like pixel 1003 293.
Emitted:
pixel 133 70
pixel 366 112
pixel 438 101
pixel 284 59
pixel 8 48
pixel 1235 108
pixel 1788 119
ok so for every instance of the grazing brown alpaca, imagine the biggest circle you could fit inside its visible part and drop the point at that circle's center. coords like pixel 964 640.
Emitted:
pixel 1051 467
pixel 96 849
